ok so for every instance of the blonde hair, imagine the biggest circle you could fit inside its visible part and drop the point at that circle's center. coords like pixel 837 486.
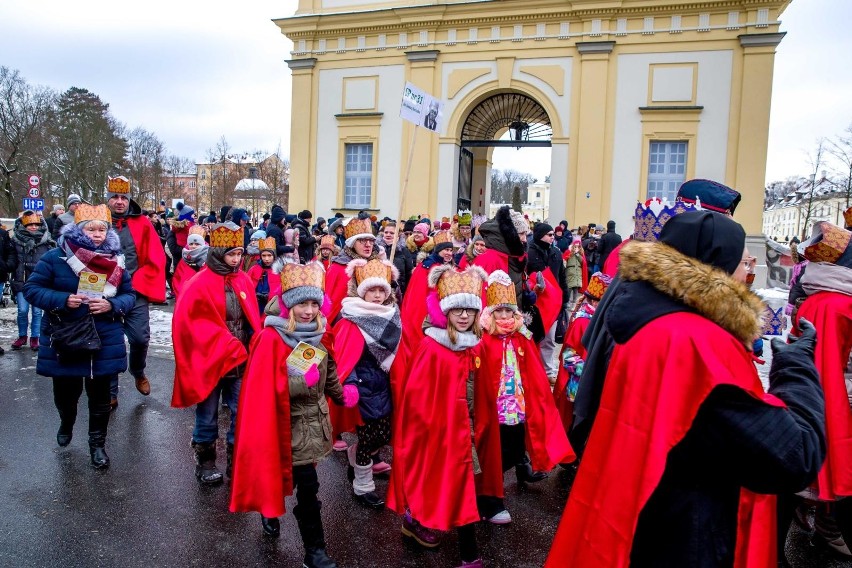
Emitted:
pixel 452 332
pixel 291 321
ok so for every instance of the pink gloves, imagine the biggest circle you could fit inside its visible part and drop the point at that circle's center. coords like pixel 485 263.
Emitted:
pixel 350 396
pixel 312 376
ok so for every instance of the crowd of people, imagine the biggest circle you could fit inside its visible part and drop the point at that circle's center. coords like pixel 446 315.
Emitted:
pixel 471 347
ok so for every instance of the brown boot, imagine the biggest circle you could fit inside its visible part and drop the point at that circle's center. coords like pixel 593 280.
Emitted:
pixel 143 386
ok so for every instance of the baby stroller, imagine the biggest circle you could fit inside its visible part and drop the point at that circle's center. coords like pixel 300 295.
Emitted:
pixel 5 294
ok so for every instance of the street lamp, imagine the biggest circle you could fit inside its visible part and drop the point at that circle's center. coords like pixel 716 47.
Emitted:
pixel 519 130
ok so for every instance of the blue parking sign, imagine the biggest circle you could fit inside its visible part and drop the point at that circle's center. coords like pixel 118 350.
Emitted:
pixel 33 204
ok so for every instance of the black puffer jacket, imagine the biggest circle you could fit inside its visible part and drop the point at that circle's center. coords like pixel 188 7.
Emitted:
pixel 373 384
pixel 307 242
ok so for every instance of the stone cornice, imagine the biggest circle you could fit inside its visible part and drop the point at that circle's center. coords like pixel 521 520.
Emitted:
pixel 307 63
pixel 761 40
pixel 426 55
pixel 590 47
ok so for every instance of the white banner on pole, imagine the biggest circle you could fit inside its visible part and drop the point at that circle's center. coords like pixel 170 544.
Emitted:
pixel 421 108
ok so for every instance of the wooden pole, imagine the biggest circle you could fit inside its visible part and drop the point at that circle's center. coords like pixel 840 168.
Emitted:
pixel 404 190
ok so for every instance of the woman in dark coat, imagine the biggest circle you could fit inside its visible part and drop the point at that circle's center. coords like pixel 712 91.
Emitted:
pixel 30 240
pixel 90 245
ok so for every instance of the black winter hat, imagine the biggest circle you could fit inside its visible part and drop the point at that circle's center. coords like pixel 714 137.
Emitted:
pixel 305 214
pixel 540 230
pixel 442 246
pixel 278 214
pixel 408 227
pixel 610 226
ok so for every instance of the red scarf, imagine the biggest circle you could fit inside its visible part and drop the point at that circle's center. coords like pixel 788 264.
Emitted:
pixel 97 262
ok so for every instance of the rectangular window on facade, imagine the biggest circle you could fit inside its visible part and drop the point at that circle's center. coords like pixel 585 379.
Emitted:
pixel 358 180
pixel 666 169
pixel 192 184
pixel 203 175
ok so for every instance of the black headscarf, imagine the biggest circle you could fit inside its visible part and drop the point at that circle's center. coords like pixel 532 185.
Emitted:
pixel 712 238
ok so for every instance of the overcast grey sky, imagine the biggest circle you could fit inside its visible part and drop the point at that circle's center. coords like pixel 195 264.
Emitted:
pixel 193 71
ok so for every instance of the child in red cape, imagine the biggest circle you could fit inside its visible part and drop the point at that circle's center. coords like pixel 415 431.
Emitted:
pixel 212 326
pixel 367 338
pixel 261 272
pixel 516 393
pixel 192 259
pixel 434 456
pixel 283 429
pixel 573 354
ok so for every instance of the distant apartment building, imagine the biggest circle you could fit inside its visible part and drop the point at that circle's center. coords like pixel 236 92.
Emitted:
pixel 228 181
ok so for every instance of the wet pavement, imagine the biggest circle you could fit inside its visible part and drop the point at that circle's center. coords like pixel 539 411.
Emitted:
pixel 148 509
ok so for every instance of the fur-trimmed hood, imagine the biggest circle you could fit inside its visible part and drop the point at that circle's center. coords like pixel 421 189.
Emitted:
pixel 500 234
pixel 709 291
pixel 73 233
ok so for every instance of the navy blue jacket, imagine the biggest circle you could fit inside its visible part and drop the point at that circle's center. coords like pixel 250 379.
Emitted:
pixel 48 288
pixel 374 397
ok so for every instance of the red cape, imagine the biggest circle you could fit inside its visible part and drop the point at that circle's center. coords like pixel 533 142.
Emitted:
pixel 546 440
pixel 204 348
pixel 636 426
pixel 263 455
pixel 348 346
pixel 336 287
pixel 549 301
pixel 150 277
pixel 831 314
pixel 413 312
pixel 182 275
pixel 432 460
pixel 492 260
pixel 255 272
pixel 610 267
pixel 573 340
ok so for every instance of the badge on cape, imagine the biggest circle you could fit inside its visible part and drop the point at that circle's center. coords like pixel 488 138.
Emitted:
pixel 521 351
pixel 243 295
pixel 477 362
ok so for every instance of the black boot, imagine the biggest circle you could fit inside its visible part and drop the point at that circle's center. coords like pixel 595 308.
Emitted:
pixel 65 397
pixel 205 464
pixel 98 421
pixel 67 418
pixel 229 469
pixel 525 474
pixel 310 527
pixel 271 526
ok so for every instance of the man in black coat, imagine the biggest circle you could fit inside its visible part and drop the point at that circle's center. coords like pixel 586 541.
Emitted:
pixel 543 254
pixel 307 241
pixel 609 241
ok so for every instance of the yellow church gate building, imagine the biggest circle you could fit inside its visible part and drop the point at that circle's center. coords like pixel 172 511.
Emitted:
pixel 632 97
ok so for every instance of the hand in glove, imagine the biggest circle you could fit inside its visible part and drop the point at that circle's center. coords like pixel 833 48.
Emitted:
pixel 795 357
pixel 312 376
pixel 540 284
pixel 350 396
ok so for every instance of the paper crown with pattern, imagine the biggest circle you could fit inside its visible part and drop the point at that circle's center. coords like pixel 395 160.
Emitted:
pixel 776 321
pixel 847 217
pixel 301 283
pixel 86 212
pixel 119 185
pixel 30 218
pixel 500 291
pixel 598 284
pixel 441 237
pixel 227 236
pixel 827 243
pixel 371 273
pixel 355 229
pixel 458 289
pixel 268 244
pixel 197 230
pixel 649 218
pixel 328 242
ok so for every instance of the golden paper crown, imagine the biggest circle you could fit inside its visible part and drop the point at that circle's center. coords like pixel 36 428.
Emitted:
pixel 86 212
pixel 225 237
pixel 30 217
pixel 118 184
pixel 197 230
pixel 357 227
pixel 267 244
pixel 598 284
pixel 452 282
pixel 373 269
pixel 296 275
pixel 500 291
pixel 831 246
pixel 847 216
pixel 441 237
pixel 328 242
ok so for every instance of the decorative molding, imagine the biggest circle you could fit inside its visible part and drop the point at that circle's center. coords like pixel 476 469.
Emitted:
pixel 451 36
pixel 427 55
pixel 761 40
pixel 733 20
pixel 704 22
pixel 564 30
pixel 675 26
pixel 308 63
pixel 472 35
pixel 596 27
pixel 590 47
pixel 621 27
